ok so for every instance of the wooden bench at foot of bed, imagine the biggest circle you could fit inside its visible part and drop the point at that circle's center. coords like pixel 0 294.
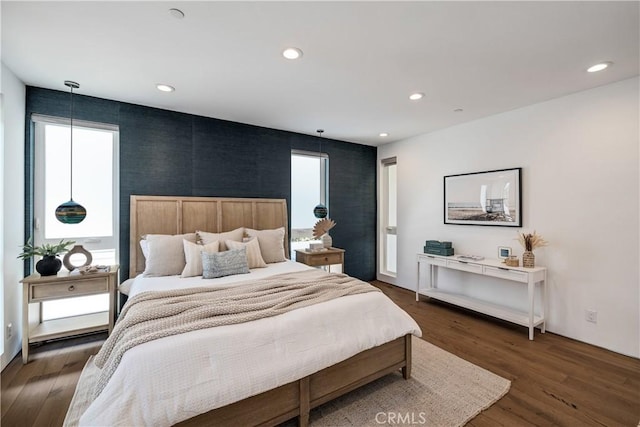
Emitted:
pixel 296 399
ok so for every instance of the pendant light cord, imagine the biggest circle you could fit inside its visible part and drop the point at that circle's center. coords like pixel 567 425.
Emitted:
pixel 320 131
pixel 71 150
pixel 71 212
pixel 71 85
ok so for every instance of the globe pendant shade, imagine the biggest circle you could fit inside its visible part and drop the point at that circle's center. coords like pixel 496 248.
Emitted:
pixel 320 211
pixel 70 213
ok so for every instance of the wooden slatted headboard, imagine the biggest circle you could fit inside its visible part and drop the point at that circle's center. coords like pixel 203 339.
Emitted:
pixel 179 215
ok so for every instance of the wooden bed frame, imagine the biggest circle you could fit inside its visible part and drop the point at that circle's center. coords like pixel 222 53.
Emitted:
pixel 178 215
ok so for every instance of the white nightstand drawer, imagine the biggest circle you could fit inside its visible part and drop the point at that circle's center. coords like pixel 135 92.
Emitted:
pixel 69 289
pixel 506 273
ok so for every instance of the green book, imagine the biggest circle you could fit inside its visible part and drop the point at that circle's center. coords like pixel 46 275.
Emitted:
pixel 438 251
pixel 437 244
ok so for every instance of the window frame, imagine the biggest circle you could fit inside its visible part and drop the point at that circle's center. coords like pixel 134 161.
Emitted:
pixel 385 228
pixel 37 228
pixel 324 183
pixel 324 173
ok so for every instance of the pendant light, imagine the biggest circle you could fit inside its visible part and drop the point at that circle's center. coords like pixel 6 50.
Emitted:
pixel 320 211
pixel 71 212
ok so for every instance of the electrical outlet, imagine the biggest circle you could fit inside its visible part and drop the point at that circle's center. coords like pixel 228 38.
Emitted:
pixel 591 316
pixel 9 330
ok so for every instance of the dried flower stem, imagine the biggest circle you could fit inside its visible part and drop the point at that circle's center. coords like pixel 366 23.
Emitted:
pixel 531 241
pixel 322 227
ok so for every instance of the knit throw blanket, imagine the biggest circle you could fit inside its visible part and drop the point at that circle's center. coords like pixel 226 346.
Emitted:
pixel 152 315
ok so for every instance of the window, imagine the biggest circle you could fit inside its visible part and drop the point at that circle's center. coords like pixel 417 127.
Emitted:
pixel 309 186
pixel 95 186
pixel 388 262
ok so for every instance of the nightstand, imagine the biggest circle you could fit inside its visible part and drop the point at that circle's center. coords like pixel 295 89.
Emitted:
pixel 325 257
pixel 36 289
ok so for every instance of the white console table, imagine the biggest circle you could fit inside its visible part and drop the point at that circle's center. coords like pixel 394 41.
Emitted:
pixel 488 267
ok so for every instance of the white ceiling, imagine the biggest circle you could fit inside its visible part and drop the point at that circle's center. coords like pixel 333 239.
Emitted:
pixel 361 59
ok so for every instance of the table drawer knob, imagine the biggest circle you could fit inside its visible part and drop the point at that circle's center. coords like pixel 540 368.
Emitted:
pixel 72 288
pixel 326 258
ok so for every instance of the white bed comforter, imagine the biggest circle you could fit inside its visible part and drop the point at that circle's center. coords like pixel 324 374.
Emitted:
pixel 168 380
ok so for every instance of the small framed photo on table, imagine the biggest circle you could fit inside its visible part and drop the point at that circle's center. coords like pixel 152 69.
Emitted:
pixel 504 252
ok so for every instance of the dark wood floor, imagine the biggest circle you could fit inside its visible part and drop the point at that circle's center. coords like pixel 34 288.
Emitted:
pixel 555 380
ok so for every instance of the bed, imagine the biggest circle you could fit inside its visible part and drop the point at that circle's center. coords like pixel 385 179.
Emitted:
pixel 261 372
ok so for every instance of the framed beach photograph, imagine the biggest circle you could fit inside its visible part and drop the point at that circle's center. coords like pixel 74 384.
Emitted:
pixel 484 198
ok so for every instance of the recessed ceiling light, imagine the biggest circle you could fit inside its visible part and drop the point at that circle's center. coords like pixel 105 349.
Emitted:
pixel 599 67
pixel 176 13
pixel 383 134
pixel 165 88
pixel 416 96
pixel 292 53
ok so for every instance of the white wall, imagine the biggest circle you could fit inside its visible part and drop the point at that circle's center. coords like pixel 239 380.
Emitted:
pixel 580 161
pixel 13 118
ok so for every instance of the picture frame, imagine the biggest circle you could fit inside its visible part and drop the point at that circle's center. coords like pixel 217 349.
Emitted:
pixel 504 252
pixel 491 198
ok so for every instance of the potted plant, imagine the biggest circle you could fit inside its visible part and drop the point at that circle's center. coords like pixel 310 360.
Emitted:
pixel 50 264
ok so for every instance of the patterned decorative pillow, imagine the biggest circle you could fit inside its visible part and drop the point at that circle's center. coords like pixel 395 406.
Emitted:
pixel 220 264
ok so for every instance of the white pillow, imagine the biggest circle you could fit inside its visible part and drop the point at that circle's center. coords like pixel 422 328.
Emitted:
pixel 193 257
pixel 144 245
pixel 207 237
pixel 125 287
pixel 165 254
pixel 253 252
pixel 271 244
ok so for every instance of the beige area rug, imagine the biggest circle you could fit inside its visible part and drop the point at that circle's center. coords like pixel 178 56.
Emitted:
pixel 444 390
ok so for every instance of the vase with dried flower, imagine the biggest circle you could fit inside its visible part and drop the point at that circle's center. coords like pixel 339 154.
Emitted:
pixel 321 231
pixel 530 241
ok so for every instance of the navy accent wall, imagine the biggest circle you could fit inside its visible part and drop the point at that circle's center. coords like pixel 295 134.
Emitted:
pixel 168 153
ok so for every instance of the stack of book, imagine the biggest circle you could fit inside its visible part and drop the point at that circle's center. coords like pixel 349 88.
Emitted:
pixel 436 247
